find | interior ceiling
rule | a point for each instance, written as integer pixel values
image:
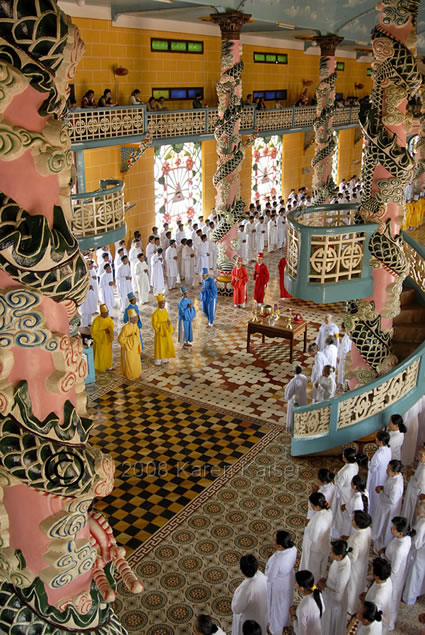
(351, 19)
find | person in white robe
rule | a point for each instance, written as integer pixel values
(380, 593)
(197, 242)
(272, 234)
(389, 505)
(99, 255)
(295, 392)
(261, 230)
(397, 553)
(243, 244)
(343, 489)
(135, 250)
(318, 366)
(331, 352)
(344, 348)
(251, 232)
(325, 385)
(165, 242)
(328, 328)
(307, 616)
(180, 233)
(163, 234)
(171, 265)
(280, 231)
(91, 301)
(149, 252)
(124, 282)
(357, 501)
(117, 260)
(335, 589)
(377, 468)
(157, 273)
(411, 421)
(142, 279)
(397, 430)
(249, 600)
(324, 485)
(212, 250)
(415, 580)
(369, 619)
(180, 258)
(106, 285)
(359, 541)
(203, 256)
(188, 266)
(315, 546)
(280, 582)
(415, 488)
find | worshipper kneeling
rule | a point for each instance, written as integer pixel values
(102, 332)
(163, 344)
(208, 296)
(131, 348)
(133, 305)
(186, 314)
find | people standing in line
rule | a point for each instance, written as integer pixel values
(171, 264)
(319, 363)
(260, 235)
(295, 392)
(142, 279)
(415, 488)
(280, 576)
(124, 282)
(186, 315)
(188, 263)
(335, 589)
(106, 285)
(91, 301)
(357, 501)
(239, 281)
(163, 343)
(415, 581)
(370, 619)
(331, 351)
(157, 273)
(359, 541)
(343, 488)
(328, 328)
(243, 244)
(132, 305)
(380, 593)
(397, 430)
(315, 546)
(283, 292)
(179, 251)
(377, 468)
(344, 348)
(261, 277)
(324, 485)
(325, 386)
(251, 232)
(389, 505)
(307, 616)
(131, 349)
(249, 600)
(102, 332)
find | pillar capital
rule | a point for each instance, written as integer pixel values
(328, 43)
(230, 23)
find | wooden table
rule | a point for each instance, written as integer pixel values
(264, 328)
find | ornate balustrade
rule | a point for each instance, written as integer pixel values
(360, 412)
(98, 218)
(93, 127)
(327, 254)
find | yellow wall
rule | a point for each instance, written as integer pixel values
(349, 154)
(109, 46)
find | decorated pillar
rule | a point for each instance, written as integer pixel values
(323, 184)
(387, 168)
(57, 557)
(230, 149)
(419, 181)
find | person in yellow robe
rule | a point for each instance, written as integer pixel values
(102, 332)
(163, 344)
(131, 349)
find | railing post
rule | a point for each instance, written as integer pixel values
(81, 171)
(206, 120)
(293, 117)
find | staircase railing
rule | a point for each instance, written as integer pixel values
(362, 411)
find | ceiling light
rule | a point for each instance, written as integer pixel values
(283, 25)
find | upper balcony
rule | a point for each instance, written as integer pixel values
(96, 127)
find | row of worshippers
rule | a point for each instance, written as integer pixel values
(130, 336)
(346, 514)
(258, 232)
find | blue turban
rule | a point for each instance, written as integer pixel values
(183, 289)
(205, 270)
(131, 295)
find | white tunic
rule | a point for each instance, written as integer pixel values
(272, 235)
(124, 285)
(250, 229)
(377, 475)
(180, 235)
(157, 273)
(415, 488)
(316, 372)
(150, 250)
(188, 264)
(331, 354)
(326, 388)
(91, 300)
(315, 547)
(396, 443)
(142, 281)
(415, 581)
(381, 594)
(261, 230)
(308, 620)
(280, 232)
(324, 332)
(203, 258)
(280, 588)
(389, 505)
(106, 291)
(353, 504)
(132, 256)
(371, 629)
(335, 594)
(342, 494)
(297, 387)
(344, 348)
(250, 603)
(170, 263)
(328, 491)
(410, 420)
(397, 553)
(359, 541)
(243, 246)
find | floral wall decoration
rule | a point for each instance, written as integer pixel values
(266, 167)
(178, 182)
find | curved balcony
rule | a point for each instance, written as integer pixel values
(94, 127)
(98, 218)
(366, 409)
(327, 254)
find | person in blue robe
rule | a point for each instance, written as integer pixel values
(208, 296)
(186, 314)
(132, 300)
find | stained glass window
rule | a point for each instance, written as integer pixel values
(335, 158)
(266, 167)
(178, 182)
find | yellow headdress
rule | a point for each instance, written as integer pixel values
(131, 313)
(160, 298)
(103, 308)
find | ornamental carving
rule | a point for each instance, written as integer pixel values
(312, 423)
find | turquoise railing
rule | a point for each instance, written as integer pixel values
(94, 127)
(366, 409)
(327, 254)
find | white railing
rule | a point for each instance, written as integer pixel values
(98, 212)
(91, 124)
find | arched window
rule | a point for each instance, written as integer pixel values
(266, 167)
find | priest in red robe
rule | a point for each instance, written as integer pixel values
(283, 292)
(261, 277)
(239, 282)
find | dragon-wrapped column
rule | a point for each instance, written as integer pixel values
(57, 555)
(230, 149)
(323, 184)
(387, 168)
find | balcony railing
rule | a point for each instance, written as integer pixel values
(328, 258)
(95, 125)
(95, 214)
(362, 411)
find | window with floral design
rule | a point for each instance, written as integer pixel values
(266, 167)
(178, 182)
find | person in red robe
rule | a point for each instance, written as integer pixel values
(261, 277)
(239, 280)
(283, 292)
